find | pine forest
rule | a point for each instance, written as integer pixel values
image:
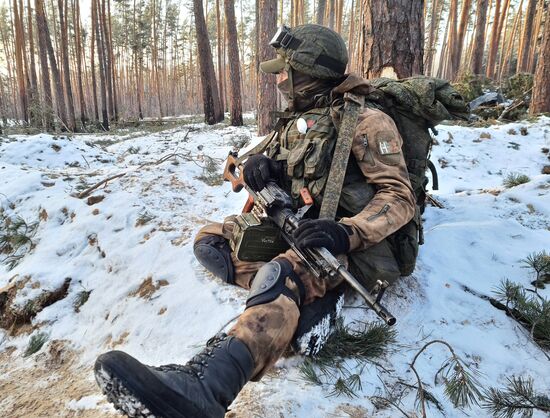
(83, 66)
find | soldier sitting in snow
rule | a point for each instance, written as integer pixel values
(376, 200)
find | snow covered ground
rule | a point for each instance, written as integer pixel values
(132, 251)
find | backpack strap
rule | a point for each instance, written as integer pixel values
(352, 108)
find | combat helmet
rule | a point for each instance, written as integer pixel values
(310, 49)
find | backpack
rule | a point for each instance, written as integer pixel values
(416, 105)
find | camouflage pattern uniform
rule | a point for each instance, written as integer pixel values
(267, 329)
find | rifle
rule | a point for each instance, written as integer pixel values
(277, 205)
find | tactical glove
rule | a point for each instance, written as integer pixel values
(259, 170)
(326, 233)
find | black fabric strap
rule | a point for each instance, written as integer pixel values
(331, 63)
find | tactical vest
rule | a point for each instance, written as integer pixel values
(307, 159)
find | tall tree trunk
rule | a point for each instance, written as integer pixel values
(112, 62)
(71, 122)
(33, 91)
(234, 65)
(540, 101)
(394, 38)
(320, 15)
(523, 54)
(78, 46)
(459, 46)
(102, 66)
(213, 112)
(493, 46)
(267, 93)
(44, 70)
(479, 37)
(19, 53)
(43, 31)
(106, 51)
(430, 48)
(92, 61)
(219, 45)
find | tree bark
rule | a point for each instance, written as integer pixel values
(267, 92)
(234, 65)
(213, 112)
(493, 46)
(523, 54)
(102, 65)
(430, 48)
(43, 31)
(479, 37)
(19, 66)
(540, 101)
(320, 15)
(71, 122)
(33, 93)
(394, 38)
(459, 46)
(44, 70)
(78, 47)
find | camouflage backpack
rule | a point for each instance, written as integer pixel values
(416, 105)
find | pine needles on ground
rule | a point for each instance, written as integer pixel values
(529, 309)
(519, 397)
(35, 344)
(15, 238)
(461, 385)
(340, 362)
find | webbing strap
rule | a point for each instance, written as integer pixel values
(331, 197)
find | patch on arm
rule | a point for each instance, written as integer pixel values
(388, 148)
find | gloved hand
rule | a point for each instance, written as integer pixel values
(326, 233)
(259, 170)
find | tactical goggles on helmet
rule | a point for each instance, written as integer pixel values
(284, 39)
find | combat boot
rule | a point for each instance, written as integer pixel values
(202, 388)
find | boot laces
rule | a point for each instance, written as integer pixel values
(199, 362)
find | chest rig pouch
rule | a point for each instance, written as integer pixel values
(306, 155)
(256, 238)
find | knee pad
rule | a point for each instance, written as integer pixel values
(270, 282)
(214, 253)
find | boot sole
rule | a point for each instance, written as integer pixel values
(124, 394)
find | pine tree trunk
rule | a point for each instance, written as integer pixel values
(493, 46)
(267, 93)
(320, 15)
(459, 46)
(540, 102)
(394, 38)
(78, 46)
(44, 70)
(430, 48)
(112, 73)
(33, 91)
(102, 66)
(234, 65)
(523, 55)
(92, 61)
(479, 37)
(213, 112)
(71, 122)
(43, 30)
(19, 65)
(219, 45)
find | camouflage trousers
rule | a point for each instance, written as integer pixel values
(267, 329)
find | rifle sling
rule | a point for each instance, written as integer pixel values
(331, 197)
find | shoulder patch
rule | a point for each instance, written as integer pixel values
(388, 148)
